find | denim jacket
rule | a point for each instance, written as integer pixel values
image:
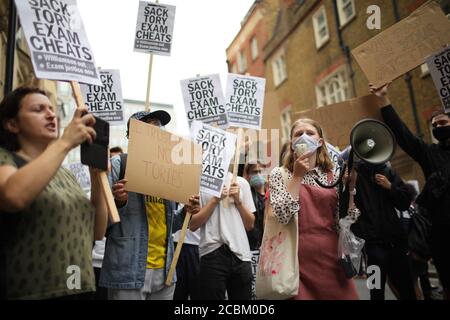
(125, 260)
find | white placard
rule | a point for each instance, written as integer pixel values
(105, 101)
(439, 65)
(218, 148)
(204, 100)
(154, 28)
(81, 173)
(245, 101)
(58, 44)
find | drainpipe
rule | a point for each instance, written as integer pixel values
(345, 48)
(408, 80)
(11, 45)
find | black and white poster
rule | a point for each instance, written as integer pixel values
(439, 65)
(245, 101)
(57, 40)
(105, 101)
(218, 147)
(204, 101)
(154, 29)
(81, 173)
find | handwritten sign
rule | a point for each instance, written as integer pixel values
(81, 173)
(404, 46)
(204, 100)
(439, 65)
(245, 101)
(156, 168)
(338, 119)
(58, 44)
(218, 148)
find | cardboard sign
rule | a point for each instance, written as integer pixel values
(154, 29)
(204, 101)
(218, 148)
(58, 44)
(337, 120)
(439, 65)
(105, 101)
(245, 101)
(404, 46)
(81, 173)
(162, 164)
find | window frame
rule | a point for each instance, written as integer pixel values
(279, 68)
(343, 20)
(324, 99)
(320, 41)
(254, 49)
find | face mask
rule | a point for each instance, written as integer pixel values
(257, 181)
(442, 134)
(305, 145)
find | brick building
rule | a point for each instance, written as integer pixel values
(308, 62)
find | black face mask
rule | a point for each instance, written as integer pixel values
(442, 134)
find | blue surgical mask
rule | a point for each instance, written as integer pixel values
(305, 145)
(257, 181)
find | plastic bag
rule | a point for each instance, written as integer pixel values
(349, 248)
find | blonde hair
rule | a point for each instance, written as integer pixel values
(323, 160)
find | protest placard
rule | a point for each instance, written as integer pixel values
(338, 119)
(155, 169)
(55, 34)
(154, 29)
(245, 101)
(204, 101)
(218, 148)
(105, 101)
(404, 46)
(439, 66)
(81, 173)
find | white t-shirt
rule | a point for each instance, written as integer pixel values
(98, 252)
(225, 225)
(192, 238)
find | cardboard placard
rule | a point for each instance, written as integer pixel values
(245, 101)
(404, 46)
(162, 164)
(218, 148)
(105, 102)
(337, 120)
(154, 28)
(204, 101)
(439, 65)
(58, 44)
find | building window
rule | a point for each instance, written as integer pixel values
(254, 48)
(234, 68)
(279, 68)
(346, 10)
(333, 89)
(320, 25)
(286, 123)
(242, 62)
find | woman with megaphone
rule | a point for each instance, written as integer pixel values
(295, 192)
(434, 159)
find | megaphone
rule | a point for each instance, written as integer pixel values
(372, 141)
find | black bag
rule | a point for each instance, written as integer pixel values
(419, 235)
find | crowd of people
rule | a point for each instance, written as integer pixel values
(49, 225)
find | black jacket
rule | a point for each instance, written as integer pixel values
(379, 222)
(434, 159)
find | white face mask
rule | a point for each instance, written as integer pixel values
(305, 145)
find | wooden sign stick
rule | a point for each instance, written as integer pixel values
(149, 79)
(237, 157)
(178, 249)
(102, 178)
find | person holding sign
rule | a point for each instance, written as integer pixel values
(225, 257)
(47, 222)
(307, 159)
(434, 159)
(139, 249)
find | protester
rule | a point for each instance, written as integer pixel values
(139, 249)
(252, 173)
(321, 276)
(188, 266)
(379, 192)
(434, 160)
(47, 222)
(225, 257)
(114, 151)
